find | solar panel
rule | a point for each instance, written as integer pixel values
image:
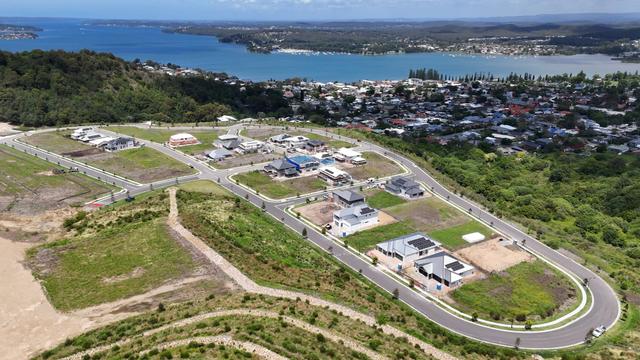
(366, 210)
(455, 266)
(421, 243)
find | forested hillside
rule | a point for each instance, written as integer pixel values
(55, 87)
(589, 205)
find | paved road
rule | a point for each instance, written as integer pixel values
(605, 310)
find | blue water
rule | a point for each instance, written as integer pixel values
(207, 53)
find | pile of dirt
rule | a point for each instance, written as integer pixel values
(83, 153)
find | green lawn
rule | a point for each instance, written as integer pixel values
(206, 137)
(56, 141)
(366, 239)
(261, 182)
(452, 237)
(120, 253)
(377, 166)
(428, 215)
(142, 164)
(530, 289)
(203, 186)
(381, 199)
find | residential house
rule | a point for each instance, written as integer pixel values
(182, 139)
(250, 146)
(315, 146)
(334, 176)
(90, 136)
(347, 198)
(78, 133)
(404, 187)
(100, 141)
(228, 141)
(220, 154)
(281, 168)
(295, 142)
(409, 248)
(304, 163)
(444, 268)
(353, 219)
(279, 139)
(121, 143)
(346, 155)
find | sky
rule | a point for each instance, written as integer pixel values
(306, 9)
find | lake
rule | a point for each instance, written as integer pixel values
(207, 53)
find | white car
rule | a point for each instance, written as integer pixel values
(597, 332)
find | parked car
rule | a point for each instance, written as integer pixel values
(597, 332)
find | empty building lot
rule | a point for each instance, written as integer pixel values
(140, 164)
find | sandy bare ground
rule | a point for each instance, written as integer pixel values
(319, 213)
(28, 322)
(492, 256)
(6, 129)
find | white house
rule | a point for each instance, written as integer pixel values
(78, 133)
(250, 146)
(101, 140)
(409, 248)
(334, 176)
(347, 155)
(121, 143)
(350, 220)
(295, 142)
(444, 268)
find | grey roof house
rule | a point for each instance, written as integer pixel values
(347, 198)
(220, 154)
(444, 268)
(409, 248)
(405, 187)
(281, 167)
(120, 143)
(352, 219)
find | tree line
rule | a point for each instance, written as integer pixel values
(48, 88)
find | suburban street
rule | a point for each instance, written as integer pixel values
(605, 309)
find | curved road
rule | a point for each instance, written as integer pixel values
(605, 310)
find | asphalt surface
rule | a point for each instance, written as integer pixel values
(605, 309)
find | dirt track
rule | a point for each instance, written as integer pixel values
(250, 286)
(28, 322)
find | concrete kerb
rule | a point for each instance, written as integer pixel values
(405, 285)
(461, 315)
(121, 178)
(538, 256)
(315, 193)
